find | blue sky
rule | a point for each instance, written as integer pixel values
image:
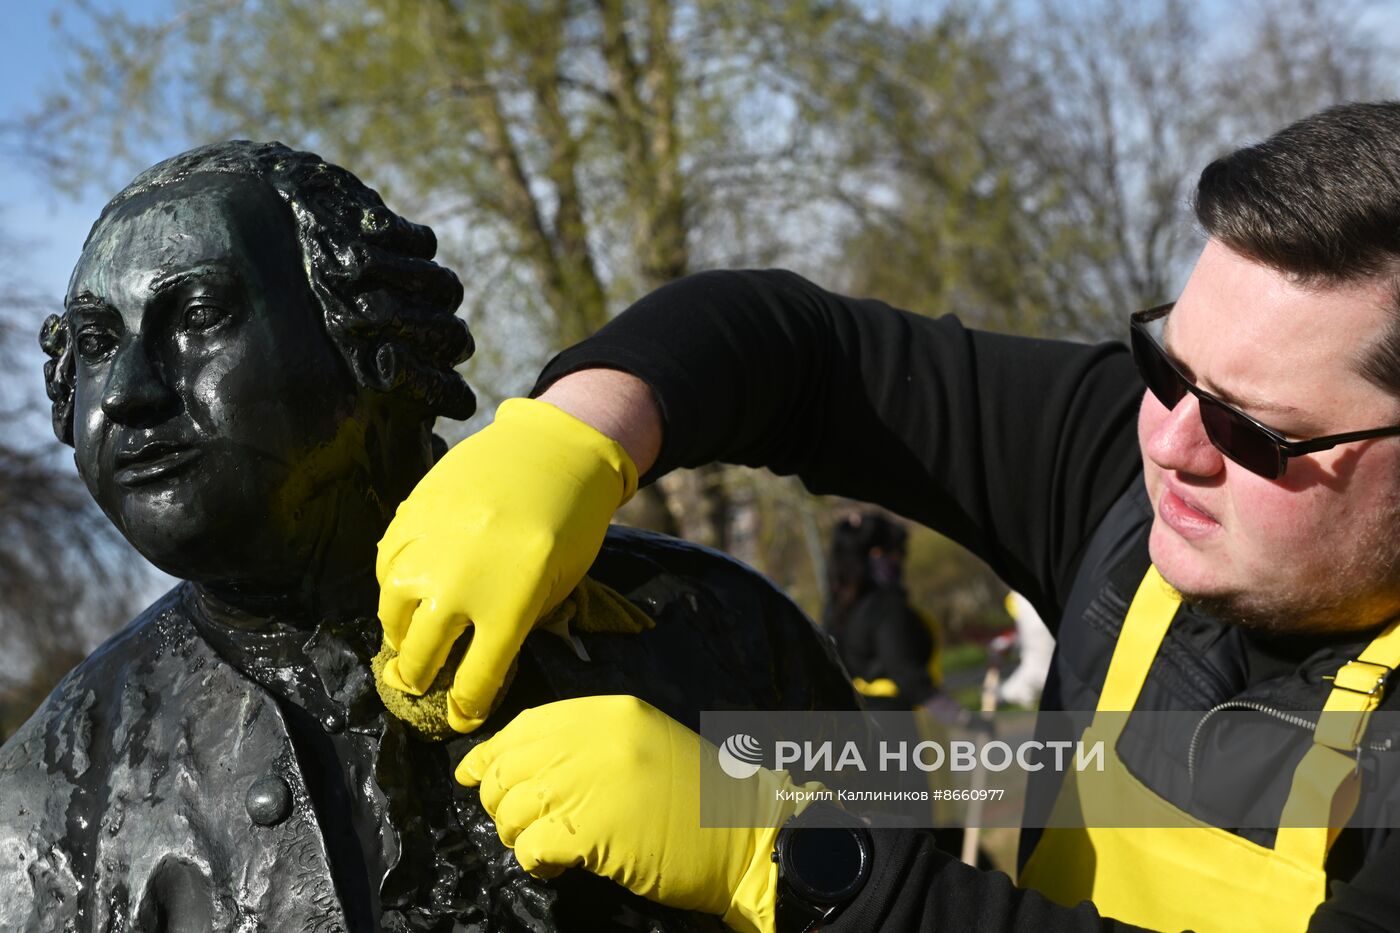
(48, 225)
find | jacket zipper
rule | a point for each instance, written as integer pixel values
(1301, 722)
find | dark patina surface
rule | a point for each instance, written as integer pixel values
(194, 775)
(253, 351)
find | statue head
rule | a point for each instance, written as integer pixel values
(251, 356)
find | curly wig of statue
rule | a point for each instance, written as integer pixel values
(389, 310)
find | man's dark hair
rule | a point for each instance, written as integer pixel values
(387, 307)
(1319, 199)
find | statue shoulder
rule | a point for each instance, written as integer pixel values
(161, 628)
(47, 767)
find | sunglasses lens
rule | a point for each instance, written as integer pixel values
(1241, 441)
(1156, 370)
(1233, 435)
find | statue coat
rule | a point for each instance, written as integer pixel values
(190, 775)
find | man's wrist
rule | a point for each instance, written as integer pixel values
(616, 404)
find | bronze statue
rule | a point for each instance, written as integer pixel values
(252, 354)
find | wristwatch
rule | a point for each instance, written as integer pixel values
(820, 867)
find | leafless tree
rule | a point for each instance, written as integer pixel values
(1143, 95)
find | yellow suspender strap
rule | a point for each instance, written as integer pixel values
(1357, 689)
(1326, 785)
(1146, 624)
(1320, 802)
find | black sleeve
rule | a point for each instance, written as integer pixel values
(913, 886)
(1013, 447)
(1370, 902)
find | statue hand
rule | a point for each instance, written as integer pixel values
(495, 535)
(612, 785)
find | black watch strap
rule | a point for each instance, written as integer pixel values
(791, 914)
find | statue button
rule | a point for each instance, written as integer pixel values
(333, 722)
(269, 801)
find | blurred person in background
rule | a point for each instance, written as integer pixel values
(890, 648)
(1035, 644)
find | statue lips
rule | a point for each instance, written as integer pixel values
(144, 462)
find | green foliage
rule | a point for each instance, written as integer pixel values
(578, 154)
(950, 211)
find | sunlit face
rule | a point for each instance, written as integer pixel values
(211, 412)
(1315, 549)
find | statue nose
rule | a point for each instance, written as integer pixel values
(135, 393)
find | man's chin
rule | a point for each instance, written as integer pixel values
(1190, 572)
(1201, 584)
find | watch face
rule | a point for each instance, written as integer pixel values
(825, 865)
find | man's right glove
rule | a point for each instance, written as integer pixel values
(613, 785)
(494, 536)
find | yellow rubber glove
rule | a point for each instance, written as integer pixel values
(496, 535)
(612, 784)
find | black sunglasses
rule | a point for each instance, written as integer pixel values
(1256, 447)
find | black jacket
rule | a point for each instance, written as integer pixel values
(1022, 450)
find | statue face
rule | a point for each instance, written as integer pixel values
(213, 420)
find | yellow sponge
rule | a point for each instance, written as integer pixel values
(592, 608)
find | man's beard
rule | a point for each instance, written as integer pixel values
(1315, 611)
(1361, 592)
(1285, 617)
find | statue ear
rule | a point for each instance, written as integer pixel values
(387, 371)
(56, 340)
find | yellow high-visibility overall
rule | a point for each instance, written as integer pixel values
(1182, 874)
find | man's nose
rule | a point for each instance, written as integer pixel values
(1178, 439)
(136, 394)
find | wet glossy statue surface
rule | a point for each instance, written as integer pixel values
(252, 354)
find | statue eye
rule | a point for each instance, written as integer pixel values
(93, 344)
(203, 317)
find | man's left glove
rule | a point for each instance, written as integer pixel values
(499, 532)
(612, 784)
